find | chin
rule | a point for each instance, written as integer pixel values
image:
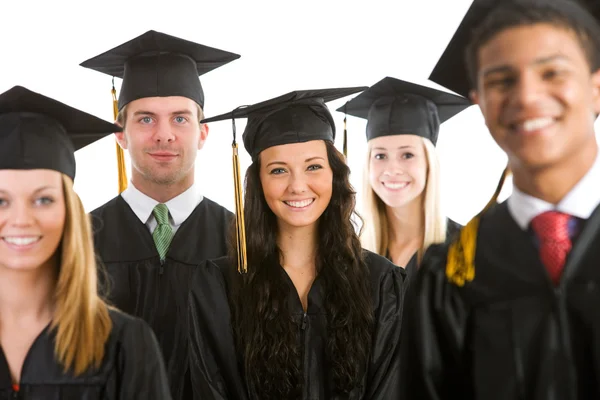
(23, 266)
(537, 159)
(298, 222)
(397, 201)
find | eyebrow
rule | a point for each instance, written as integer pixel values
(152, 114)
(307, 160)
(36, 191)
(539, 61)
(399, 148)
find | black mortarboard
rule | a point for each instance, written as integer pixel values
(37, 132)
(396, 107)
(299, 116)
(156, 65)
(451, 69)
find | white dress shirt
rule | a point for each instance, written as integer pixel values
(180, 207)
(580, 202)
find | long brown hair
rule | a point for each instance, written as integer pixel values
(265, 332)
(81, 319)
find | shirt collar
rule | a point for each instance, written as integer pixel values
(180, 207)
(580, 202)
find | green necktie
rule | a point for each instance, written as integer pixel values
(163, 233)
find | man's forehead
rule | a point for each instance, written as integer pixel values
(530, 45)
(163, 105)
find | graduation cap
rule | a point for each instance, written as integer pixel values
(37, 132)
(295, 117)
(156, 65)
(396, 107)
(451, 69)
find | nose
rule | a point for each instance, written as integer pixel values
(394, 167)
(164, 132)
(527, 90)
(21, 214)
(298, 184)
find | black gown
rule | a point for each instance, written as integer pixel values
(452, 228)
(215, 368)
(509, 333)
(132, 368)
(158, 293)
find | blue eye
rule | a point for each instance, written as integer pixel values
(146, 120)
(44, 201)
(180, 120)
(314, 167)
(277, 171)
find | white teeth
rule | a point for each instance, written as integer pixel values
(22, 241)
(392, 185)
(299, 204)
(535, 124)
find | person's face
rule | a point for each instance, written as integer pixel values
(32, 217)
(537, 94)
(297, 182)
(398, 168)
(163, 136)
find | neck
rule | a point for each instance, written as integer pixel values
(28, 295)
(298, 246)
(406, 223)
(161, 192)
(553, 183)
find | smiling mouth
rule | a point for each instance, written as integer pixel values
(299, 204)
(395, 185)
(532, 125)
(21, 241)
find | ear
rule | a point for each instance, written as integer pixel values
(596, 91)
(474, 96)
(203, 135)
(121, 138)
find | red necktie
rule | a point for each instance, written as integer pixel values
(552, 229)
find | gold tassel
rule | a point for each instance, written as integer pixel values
(239, 213)
(120, 155)
(460, 265)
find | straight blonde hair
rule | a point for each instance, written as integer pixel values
(375, 234)
(81, 319)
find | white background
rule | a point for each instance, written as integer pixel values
(284, 46)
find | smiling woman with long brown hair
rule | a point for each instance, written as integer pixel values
(315, 316)
(58, 339)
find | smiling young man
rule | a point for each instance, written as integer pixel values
(508, 311)
(152, 236)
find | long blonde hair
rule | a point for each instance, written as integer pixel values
(375, 235)
(81, 319)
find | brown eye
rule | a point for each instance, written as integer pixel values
(502, 82)
(551, 74)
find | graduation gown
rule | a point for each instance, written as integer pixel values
(140, 285)
(452, 228)
(215, 368)
(509, 333)
(132, 368)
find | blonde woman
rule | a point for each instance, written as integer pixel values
(401, 207)
(58, 339)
